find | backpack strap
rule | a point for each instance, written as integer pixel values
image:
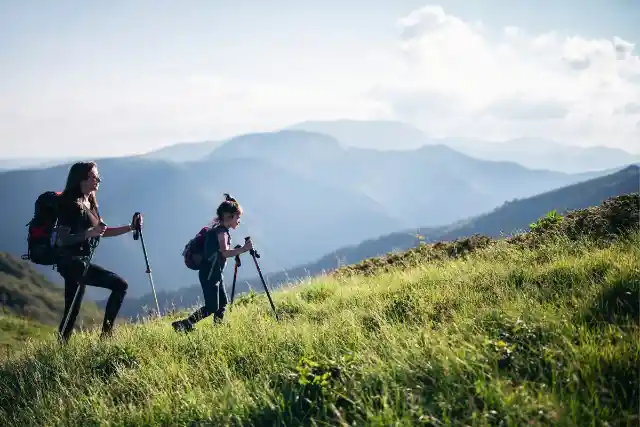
(89, 211)
(211, 246)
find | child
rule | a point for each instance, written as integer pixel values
(216, 251)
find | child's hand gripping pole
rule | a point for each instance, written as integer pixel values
(254, 254)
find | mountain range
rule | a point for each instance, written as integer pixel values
(533, 153)
(305, 194)
(508, 219)
(538, 153)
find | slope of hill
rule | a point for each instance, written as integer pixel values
(613, 217)
(513, 334)
(16, 331)
(30, 305)
(26, 293)
(509, 218)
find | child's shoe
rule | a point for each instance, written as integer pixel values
(183, 325)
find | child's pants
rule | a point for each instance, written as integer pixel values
(215, 297)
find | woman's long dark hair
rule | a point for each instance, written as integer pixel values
(77, 173)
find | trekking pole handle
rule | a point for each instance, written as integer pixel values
(237, 257)
(136, 226)
(253, 252)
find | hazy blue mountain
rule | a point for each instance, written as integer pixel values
(533, 153)
(538, 153)
(431, 185)
(507, 219)
(383, 135)
(183, 152)
(370, 134)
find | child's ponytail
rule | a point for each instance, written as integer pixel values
(228, 198)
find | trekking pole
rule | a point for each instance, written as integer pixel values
(93, 244)
(235, 273)
(255, 255)
(137, 233)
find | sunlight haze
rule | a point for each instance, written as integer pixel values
(116, 78)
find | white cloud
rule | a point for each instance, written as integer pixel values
(449, 76)
(133, 115)
(631, 109)
(461, 78)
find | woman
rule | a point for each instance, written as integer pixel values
(79, 222)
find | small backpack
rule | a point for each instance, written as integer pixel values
(193, 252)
(41, 231)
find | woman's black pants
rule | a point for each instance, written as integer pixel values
(98, 276)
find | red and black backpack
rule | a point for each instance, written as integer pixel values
(193, 252)
(41, 231)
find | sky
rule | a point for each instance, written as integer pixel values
(125, 77)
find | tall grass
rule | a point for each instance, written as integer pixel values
(506, 336)
(15, 330)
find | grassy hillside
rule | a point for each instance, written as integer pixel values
(509, 218)
(603, 222)
(539, 330)
(30, 305)
(15, 331)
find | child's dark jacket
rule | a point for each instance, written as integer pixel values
(212, 256)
